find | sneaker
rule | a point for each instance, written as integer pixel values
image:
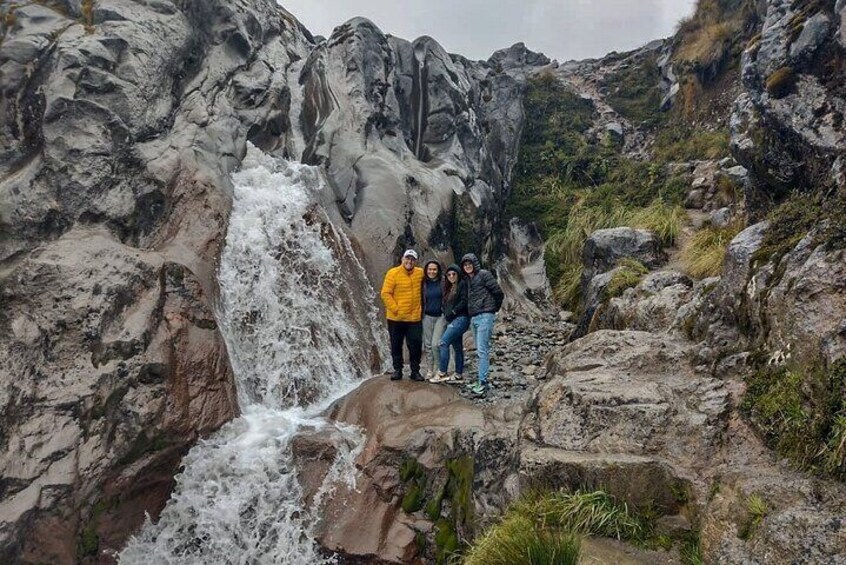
(479, 389)
(456, 377)
(416, 376)
(429, 376)
(397, 376)
(440, 377)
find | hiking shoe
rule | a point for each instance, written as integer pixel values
(439, 377)
(479, 389)
(455, 377)
(397, 376)
(417, 377)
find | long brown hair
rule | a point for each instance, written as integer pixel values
(449, 288)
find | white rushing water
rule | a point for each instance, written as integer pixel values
(299, 333)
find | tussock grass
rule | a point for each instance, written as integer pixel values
(801, 413)
(518, 540)
(628, 274)
(591, 513)
(545, 528)
(703, 254)
(687, 144)
(564, 246)
(711, 35)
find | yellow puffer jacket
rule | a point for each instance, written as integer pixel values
(402, 293)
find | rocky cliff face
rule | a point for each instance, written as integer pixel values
(121, 124)
(418, 144)
(787, 128)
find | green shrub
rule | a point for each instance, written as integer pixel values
(703, 254)
(801, 413)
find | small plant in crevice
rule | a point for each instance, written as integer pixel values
(756, 511)
(628, 274)
(690, 550)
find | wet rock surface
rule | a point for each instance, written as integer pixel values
(120, 129)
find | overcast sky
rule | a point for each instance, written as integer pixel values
(562, 29)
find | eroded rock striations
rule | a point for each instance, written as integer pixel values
(418, 144)
(121, 124)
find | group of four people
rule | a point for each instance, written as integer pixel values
(426, 309)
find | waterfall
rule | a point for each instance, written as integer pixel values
(300, 324)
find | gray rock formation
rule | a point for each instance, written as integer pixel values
(418, 144)
(787, 128)
(121, 126)
(651, 306)
(604, 248)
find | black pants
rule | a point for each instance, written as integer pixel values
(412, 333)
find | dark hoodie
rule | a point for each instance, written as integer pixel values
(455, 303)
(483, 292)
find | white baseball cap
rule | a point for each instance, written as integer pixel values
(410, 253)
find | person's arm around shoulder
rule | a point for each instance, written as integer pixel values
(493, 287)
(387, 293)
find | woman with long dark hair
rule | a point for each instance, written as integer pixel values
(433, 313)
(455, 314)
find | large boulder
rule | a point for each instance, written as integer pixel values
(421, 443)
(605, 248)
(653, 305)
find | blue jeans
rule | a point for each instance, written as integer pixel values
(454, 336)
(482, 329)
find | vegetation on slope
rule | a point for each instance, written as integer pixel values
(801, 413)
(571, 186)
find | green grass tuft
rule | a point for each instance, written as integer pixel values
(801, 413)
(628, 274)
(690, 550)
(518, 540)
(756, 511)
(703, 254)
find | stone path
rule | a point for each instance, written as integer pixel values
(518, 349)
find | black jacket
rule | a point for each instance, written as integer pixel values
(456, 304)
(483, 292)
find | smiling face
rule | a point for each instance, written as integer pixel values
(408, 262)
(467, 267)
(452, 276)
(432, 271)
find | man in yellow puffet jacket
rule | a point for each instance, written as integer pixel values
(402, 293)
